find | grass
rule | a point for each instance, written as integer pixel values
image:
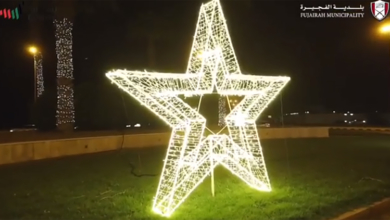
(311, 179)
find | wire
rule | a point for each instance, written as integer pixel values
(132, 167)
(132, 171)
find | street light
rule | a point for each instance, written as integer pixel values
(385, 29)
(34, 51)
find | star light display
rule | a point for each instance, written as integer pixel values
(65, 96)
(39, 73)
(192, 155)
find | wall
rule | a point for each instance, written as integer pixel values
(36, 150)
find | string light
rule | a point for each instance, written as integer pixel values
(192, 155)
(39, 71)
(221, 111)
(65, 96)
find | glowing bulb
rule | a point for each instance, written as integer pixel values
(385, 29)
(33, 50)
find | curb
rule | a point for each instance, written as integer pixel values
(368, 212)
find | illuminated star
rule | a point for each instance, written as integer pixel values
(192, 155)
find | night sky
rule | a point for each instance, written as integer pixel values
(335, 64)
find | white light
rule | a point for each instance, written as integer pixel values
(345, 121)
(345, 114)
(351, 114)
(137, 125)
(334, 111)
(239, 119)
(39, 73)
(269, 116)
(364, 121)
(221, 111)
(128, 126)
(65, 97)
(192, 155)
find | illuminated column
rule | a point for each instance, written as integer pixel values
(38, 59)
(221, 111)
(65, 97)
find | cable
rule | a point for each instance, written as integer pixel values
(132, 167)
(132, 171)
(285, 140)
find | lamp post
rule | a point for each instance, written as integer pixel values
(34, 51)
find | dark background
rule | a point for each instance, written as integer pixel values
(335, 64)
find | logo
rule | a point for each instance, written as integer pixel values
(12, 13)
(332, 11)
(379, 9)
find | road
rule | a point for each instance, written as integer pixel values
(23, 136)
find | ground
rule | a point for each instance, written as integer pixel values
(385, 216)
(311, 179)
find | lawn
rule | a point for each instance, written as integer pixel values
(311, 179)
